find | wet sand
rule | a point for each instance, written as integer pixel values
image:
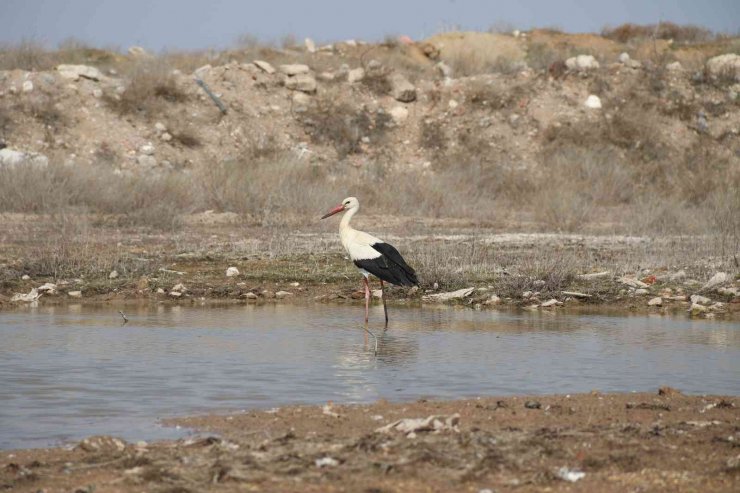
(663, 441)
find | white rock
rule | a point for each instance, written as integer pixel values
(113, 274)
(179, 287)
(582, 62)
(294, 69)
(232, 271)
(570, 475)
(594, 275)
(727, 65)
(641, 292)
(492, 300)
(378, 293)
(48, 288)
(674, 67)
(355, 75)
(453, 295)
(697, 309)
(139, 52)
(399, 114)
(435, 423)
(730, 291)
(401, 89)
(74, 72)
(295, 284)
(301, 82)
(11, 158)
(310, 45)
(657, 301)
(166, 137)
(716, 280)
(200, 72)
(699, 299)
(351, 42)
(624, 57)
(97, 93)
(160, 127)
(29, 297)
(326, 462)
(551, 302)
(452, 104)
(301, 101)
(25, 277)
(250, 296)
(283, 294)
(175, 294)
(75, 294)
(593, 102)
(444, 70)
(264, 66)
(27, 86)
(160, 291)
(147, 149)
(632, 282)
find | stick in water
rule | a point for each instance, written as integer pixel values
(123, 315)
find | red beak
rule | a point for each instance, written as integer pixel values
(335, 210)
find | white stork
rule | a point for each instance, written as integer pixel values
(371, 255)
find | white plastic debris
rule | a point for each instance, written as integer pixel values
(570, 475)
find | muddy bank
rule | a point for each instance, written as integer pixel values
(649, 442)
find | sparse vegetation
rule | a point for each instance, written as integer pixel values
(664, 30)
(150, 88)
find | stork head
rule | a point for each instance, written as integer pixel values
(347, 204)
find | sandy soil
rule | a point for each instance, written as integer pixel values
(622, 442)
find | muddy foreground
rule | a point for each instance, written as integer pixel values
(621, 442)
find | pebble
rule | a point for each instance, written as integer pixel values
(75, 294)
(147, 149)
(533, 405)
(25, 277)
(232, 271)
(657, 301)
(593, 102)
(113, 274)
(283, 294)
(27, 86)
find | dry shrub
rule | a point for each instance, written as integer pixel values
(26, 55)
(493, 96)
(432, 136)
(541, 56)
(150, 88)
(664, 30)
(339, 124)
(153, 200)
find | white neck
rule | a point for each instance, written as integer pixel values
(344, 224)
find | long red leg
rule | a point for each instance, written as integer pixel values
(385, 308)
(367, 298)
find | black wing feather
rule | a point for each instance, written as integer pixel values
(404, 273)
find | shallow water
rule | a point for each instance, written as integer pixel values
(73, 371)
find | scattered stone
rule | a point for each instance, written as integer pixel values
(326, 462)
(674, 67)
(641, 292)
(139, 52)
(551, 302)
(102, 443)
(731, 291)
(160, 127)
(295, 284)
(697, 309)
(113, 274)
(492, 300)
(632, 282)
(301, 82)
(444, 70)
(724, 66)
(310, 45)
(657, 301)
(232, 271)
(283, 294)
(25, 277)
(570, 475)
(166, 137)
(268, 294)
(378, 293)
(593, 102)
(146, 161)
(294, 69)
(399, 114)
(175, 294)
(453, 295)
(594, 275)
(97, 93)
(716, 280)
(10, 158)
(74, 72)
(355, 75)
(29, 297)
(624, 57)
(250, 296)
(699, 299)
(264, 66)
(582, 62)
(75, 294)
(27, 86)
(401, 89)
(533, 405)
(179, 287)
(436, 424)
(160, 291)
(48, 288)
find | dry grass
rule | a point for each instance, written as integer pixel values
(150, 88)
(664, 30)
